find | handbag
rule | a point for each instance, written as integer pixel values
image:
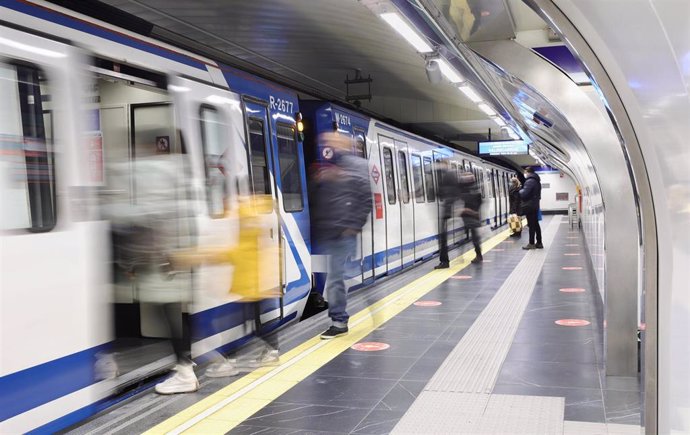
(515, 223)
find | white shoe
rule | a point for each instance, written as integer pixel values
(184, 381)
(222, 369)
(266, 358)
(105, 366)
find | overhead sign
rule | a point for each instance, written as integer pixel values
(504, 148)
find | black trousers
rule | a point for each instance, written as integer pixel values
(254, 309)
(180, 336)
(533, 224)
(474, 233)
(443, 241)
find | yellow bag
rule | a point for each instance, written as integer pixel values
(255, 258)
(515, 223)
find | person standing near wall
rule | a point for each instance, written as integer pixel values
(530, 194)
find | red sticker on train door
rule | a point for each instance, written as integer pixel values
(378, 205)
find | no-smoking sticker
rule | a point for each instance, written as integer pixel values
(327, 153)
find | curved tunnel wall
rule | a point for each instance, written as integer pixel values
(597, 158)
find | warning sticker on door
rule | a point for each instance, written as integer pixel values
(375, 174)
(378, 205)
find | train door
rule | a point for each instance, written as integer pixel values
(494, 194)
(453, 221)
(367, 235)
(407, 236)
(499, 184)
(393, 213)
(419, 199)
(262, 168)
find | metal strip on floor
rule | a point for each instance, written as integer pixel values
(457, 399)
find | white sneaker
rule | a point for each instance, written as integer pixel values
(222, 369)
(105, 366)
(266, 358)
(184, 381)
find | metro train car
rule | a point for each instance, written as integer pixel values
(81, 95)
(403, 228)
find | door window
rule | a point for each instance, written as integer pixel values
(261, 178)
(390, 176)
(429, 180)
(290, 169)
(418, 178)
(215, 158)
(27, 173)
(404, 183)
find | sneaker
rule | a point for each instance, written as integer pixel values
(105, 366)
(266, 358)
(184, 381)
(334, 331)
(442, 266)
(530, 246)
(539, 246)
(476, 260)
(222, 369)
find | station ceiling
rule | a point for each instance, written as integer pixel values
(321, 43)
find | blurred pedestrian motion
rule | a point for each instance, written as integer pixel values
(471, 197)
(341, 203)
(514, 208)
(448, 193)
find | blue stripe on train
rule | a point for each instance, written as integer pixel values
(102, 32)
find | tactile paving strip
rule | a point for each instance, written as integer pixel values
(457, 399)
(474, 364)
(477, 413)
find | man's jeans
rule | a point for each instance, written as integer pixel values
(338, 251)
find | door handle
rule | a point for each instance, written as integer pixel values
(271, 230)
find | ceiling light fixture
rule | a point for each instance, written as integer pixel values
(486, 109)
(466, 89)
(407, 32)
(448, 71)
(498, 120)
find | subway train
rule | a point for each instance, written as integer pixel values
(80, 94)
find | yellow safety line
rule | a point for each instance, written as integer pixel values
(232, 405)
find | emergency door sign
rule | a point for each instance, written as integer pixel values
(375, 174)
(378, 205)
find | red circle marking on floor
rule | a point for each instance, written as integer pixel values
(572, 238)
(428, 303)
(370, 346)
(571, 244)
(571, 290)
(508, 241)
(571, 268)
(498, 249)
(571, 254)
(461, 277)
(572, 322)
(487, 261)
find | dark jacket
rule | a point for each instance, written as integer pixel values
(530, 194)
(341, 197)
(514, 199)
(448, 191)
(471, 197)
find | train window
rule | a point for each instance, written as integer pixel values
(290, 172)
(360, 145)
(417, 178)
(429, 180)
(481, 184)
(215, 158)
(404, 181)
(27, 174)
(261, 178)
(390, 178)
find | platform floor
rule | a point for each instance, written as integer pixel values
(471, 349)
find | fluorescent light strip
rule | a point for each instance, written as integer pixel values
(407, 32)
(31, 48)
(448, 71)
(470, 93)
(498, 120)
(486, 109)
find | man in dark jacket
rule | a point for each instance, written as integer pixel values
(472, 201)
(448, 191)
(341, 205)
(530, 194)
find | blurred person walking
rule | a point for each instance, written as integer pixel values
(472, 201)
(448, 191)
(147, 233)
(530, 194)
(514, 207)
(341, 203)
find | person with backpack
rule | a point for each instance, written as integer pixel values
(342, 201)
(472, 201)
(530, 194)
(448, 191)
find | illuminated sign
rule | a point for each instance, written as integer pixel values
(504, 148)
